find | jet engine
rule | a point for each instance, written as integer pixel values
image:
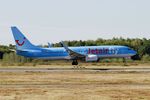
(136, 57)
(90, 58)
(1, 55)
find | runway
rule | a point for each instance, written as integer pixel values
(147, 70)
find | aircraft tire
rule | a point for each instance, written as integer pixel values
(75, 62)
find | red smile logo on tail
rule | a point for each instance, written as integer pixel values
(21, 44)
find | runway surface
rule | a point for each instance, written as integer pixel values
(147, 70)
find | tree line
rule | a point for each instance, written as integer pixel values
(142, 46)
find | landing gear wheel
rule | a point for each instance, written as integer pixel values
(75, 62)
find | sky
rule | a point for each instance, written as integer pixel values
(52, 21)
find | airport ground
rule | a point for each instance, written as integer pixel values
(56, 82)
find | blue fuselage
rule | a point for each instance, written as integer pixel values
(61, 53)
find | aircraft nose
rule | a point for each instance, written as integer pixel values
(134, 52)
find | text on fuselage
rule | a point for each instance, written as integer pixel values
(102, 51)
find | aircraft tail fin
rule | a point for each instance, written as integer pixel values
(21, 41)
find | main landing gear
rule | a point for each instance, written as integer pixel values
(124, 60)
(76, 66)
(75, 62)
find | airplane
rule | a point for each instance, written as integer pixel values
(86, 53)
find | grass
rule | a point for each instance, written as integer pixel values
(74, 86)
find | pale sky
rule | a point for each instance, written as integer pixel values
(45, 21)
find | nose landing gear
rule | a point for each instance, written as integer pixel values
(136, 57)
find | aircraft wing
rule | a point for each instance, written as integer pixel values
(71, 52)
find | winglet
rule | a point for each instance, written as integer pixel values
(63, 45)
(49, 45)
(71, 52)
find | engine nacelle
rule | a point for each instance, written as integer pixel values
(1, 55)
(136, 57)
(90, 58)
